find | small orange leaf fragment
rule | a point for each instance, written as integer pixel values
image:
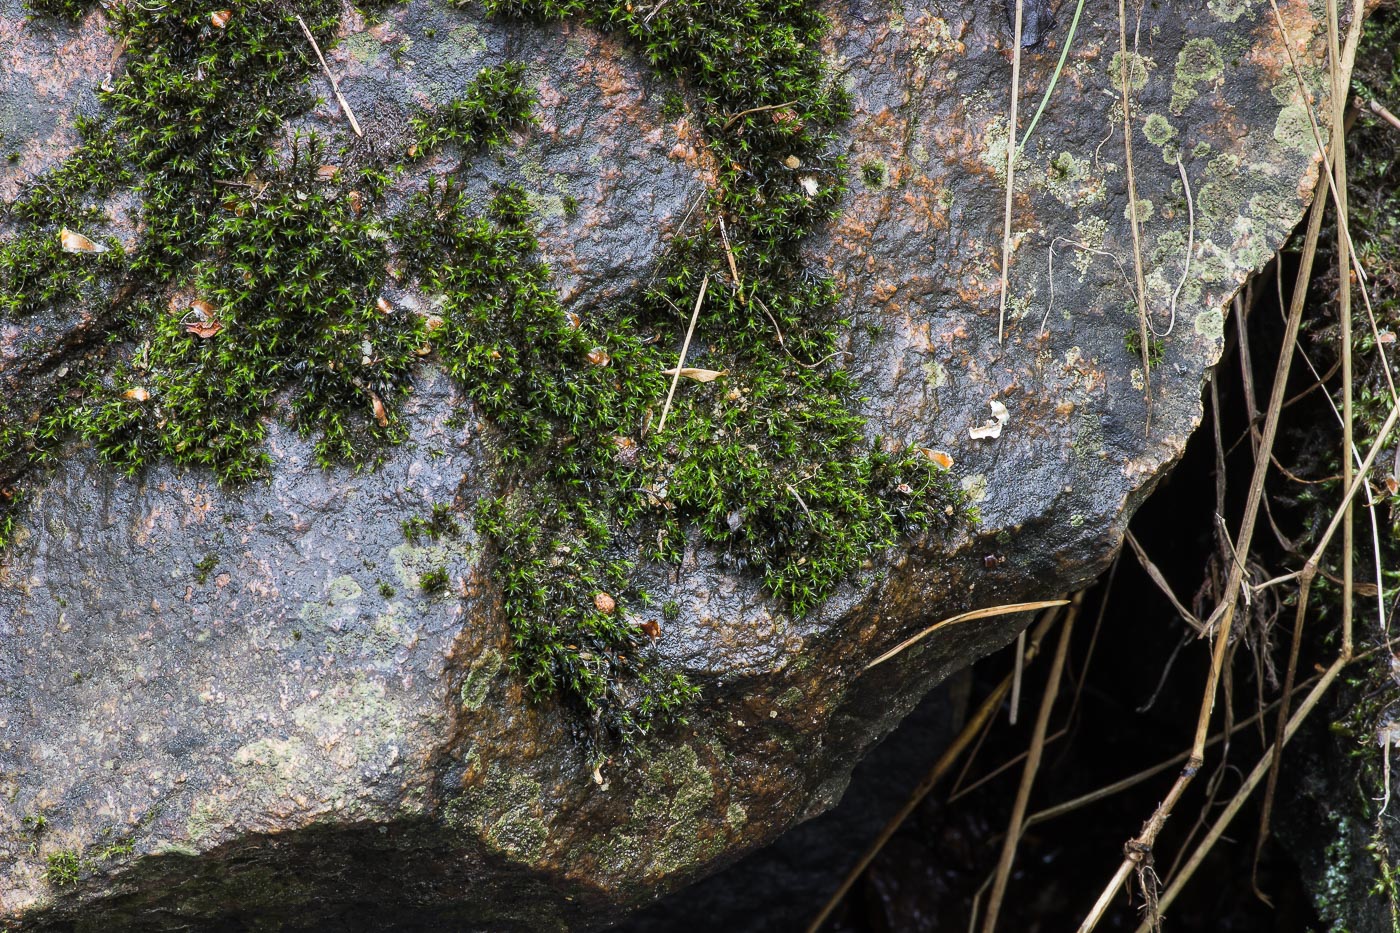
(652, 628)
(599, 357)
(938, 457)
(137, 394)
(220, 18)
(381, 414)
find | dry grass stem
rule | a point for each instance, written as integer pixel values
(990, 611)
(1186, 614)
(1190, 246)
(1379, 111)
(1010, 171)
(1140, 284)
(335, 85)
(1016, 679)
(1037, 746)
(685, 348)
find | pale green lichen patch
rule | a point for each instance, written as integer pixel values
(1144, 211)
(1211, 324)
(1158, 129)
(479, 678)
(1138, 67)
(504, 812)
(1294, 130)
(1220, 197)
(1228, 11)
(676, 791)
(1200, 60)
(994, 139)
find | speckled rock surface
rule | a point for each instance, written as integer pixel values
(290, 734)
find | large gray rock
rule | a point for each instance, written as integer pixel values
(236, 709)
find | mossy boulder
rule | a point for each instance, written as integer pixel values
(289, 673)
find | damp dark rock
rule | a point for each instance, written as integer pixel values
(300, 735)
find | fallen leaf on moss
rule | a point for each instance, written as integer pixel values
(599, 357)
(699, 375)
(220, 18)
(938, 457)
(381, 414)
(204, 329)
(73, 242)
(137, 394)
(652, 628)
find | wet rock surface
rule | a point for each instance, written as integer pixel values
(229, 708)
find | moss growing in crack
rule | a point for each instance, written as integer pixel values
(433, 581)
(70, 10)
(495, 102)
(1156, 349)
(62, 868)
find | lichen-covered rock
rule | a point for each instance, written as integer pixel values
(235, 707)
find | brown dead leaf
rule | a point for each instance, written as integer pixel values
(220, 18)
(652, 628)
(699, 375)
(137, 394)
(327, 172)
(383, 305)
(381, 414)
(204, 329)
(73, 242)
(599, 357)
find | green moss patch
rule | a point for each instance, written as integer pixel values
(256, 287)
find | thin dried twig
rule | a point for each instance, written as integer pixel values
(1010, 171)
(335, 85)
(685, 348)
(1037, 746)
(1186, 614)
(1190, 247)
(733, 266)
(744, 113)
(1016, 679)
(1376, 108)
